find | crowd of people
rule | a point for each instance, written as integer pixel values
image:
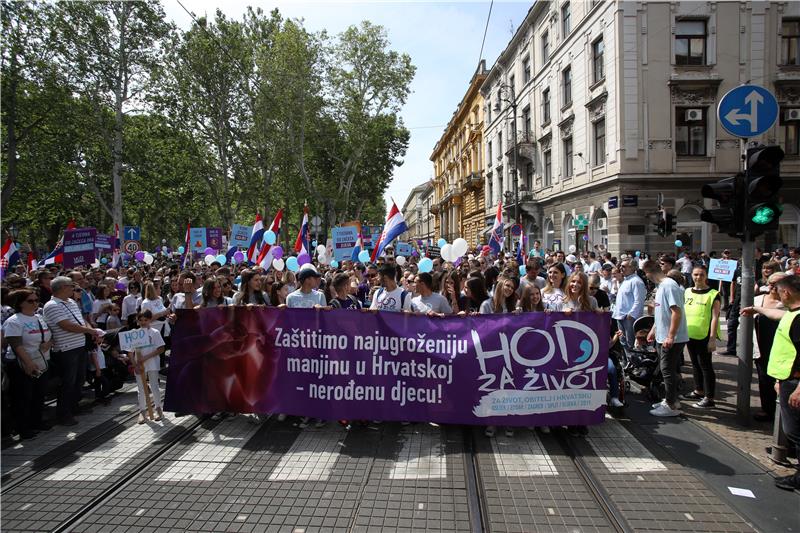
(66, 324)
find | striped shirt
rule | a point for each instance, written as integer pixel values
(57, 310)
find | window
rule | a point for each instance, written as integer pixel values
(790, 42)
(690, 42)
(512, 82)
(567, 157)
(526, 123)
(526, 70)
(489, 152)
(598, 69)
(529, 176)
(690, 131)
(600, 142)
(545, 48)
(790, 120)
(489, 111)
(566, 85)
(490, 183)
(500, 143)
(566, 23)
(548, 169)
(546, 106)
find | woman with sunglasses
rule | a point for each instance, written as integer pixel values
(765, 329)
(30, 340)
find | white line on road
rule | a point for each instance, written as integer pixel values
(311, 457)
(522, 456)
(620, 451)
(421, 456)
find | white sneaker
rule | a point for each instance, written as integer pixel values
(665, 410)
(489, 431)
(616, 403)
(655, 405)
(545, 430)
(281, 417)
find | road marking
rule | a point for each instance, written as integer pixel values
(421, 455)
(620, 451)
(522, 456)
(688, 517)
(114, 453)
(214, 450)
(311, 457)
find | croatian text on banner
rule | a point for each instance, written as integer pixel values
(240, 235)
(197, 237)
(135, 338)
(103, 243)
(79, 247)
(527, 369)
(344, 241)
(721, 269)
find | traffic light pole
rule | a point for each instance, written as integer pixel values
(744, 339)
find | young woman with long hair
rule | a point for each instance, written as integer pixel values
(554, 290)
(531, 299)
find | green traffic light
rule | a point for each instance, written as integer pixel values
(764, 215)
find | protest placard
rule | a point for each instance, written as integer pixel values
(79, 247)
(135, 338)
(240, 235)
(344, 241)
(721, 269)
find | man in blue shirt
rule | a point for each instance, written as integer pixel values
(629, 303)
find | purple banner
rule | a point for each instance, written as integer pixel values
(103, 243)
(519, 370)
(79, 247)
(214, 238)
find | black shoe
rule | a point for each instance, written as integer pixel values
(788, 482)
(763, 417)
(726, 352)
(693, 396)
(573, 431)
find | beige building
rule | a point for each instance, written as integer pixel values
(458, 169)
(616, 114)
(417, 213)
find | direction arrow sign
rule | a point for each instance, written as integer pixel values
(747, 111)
(131, 233)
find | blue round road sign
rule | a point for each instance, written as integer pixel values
(747, 111)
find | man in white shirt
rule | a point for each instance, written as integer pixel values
(592, 264)
(531, 277)
(428, 302)
(390, 297)
(307, 296)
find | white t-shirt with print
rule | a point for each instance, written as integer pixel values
(30, 329)
(391, 300)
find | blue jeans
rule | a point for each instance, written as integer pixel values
(628, 335)
(72, 368)
(613, 382)
(790, 418)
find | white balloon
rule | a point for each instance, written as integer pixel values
(96, 263)
(323, 259)
(148, 259)
(278, 264)
(460, 247)
(572, 248)
(321, 249)
(447, 252)
(208, 260)
(400, 260)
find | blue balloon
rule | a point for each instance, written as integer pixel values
(291, 264)
(270, 237)
(522, 270)
(678, 243)
(334, 263)
(441, 242)
(314, 244)
(221, 259)
(363, 256)
(237, 281)
(181, 249)
(638, 253)
(426, 265)
(104, 260)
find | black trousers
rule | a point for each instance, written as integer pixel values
(27, 397)
(702, 370)
(72, 369)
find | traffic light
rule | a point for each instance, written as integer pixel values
(670, 223)
(729, 216)
(660, 225)
(763, 184)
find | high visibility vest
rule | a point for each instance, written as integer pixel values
(698, 309)
(783, 353)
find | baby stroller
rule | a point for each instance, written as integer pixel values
(641, 365)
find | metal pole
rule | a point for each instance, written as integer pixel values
(516, 185)
(744, 340)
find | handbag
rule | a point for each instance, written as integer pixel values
(44, 364)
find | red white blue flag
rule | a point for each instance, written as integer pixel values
(57, 255)
(496, 238)
(301, 245)
(265, 256)
(394, 227)
(256, 235)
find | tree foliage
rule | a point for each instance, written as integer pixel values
(110, 114)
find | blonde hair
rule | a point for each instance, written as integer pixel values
(584, 304)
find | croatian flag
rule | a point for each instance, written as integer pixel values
(302, 245)
(116, 255)
(265, 257)
(395, 226)
(33, 264)
(187, 249)
(57, 255)
(8, 257)
(496, 238)
(357, 249)
(255, 239)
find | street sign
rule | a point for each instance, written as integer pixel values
(747, 111)
(516, 230)
(613, 202)
(630, 200)
(131, 247)
(132, 233)
(316, 221)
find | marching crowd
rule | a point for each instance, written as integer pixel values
(66, 324)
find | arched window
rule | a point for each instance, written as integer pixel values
(789, 230)
(689, 228)
(598, 232)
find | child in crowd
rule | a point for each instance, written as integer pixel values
(145, 359)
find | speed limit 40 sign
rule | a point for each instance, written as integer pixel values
(131, 247)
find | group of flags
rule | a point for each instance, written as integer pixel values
(259, 252)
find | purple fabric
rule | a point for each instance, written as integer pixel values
(527, 369)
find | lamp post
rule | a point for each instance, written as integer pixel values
(511, 99)
(13, 230)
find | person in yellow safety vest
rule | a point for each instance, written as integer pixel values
(784, 365)
(702, 305)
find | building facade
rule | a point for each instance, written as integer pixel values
(458, 165)
(417, 213)
(616, 116)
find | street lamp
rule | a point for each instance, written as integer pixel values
(511, 99)
(13, 230)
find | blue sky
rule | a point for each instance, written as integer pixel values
(442, 38)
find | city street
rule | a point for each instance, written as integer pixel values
(633, 473)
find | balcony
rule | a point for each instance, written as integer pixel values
(473, 181)
(526, 147)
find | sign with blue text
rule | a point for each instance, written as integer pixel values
(240, 235)
(747, 111)
(197, 238)
(344, 241)
(722, 269)
(402, 248)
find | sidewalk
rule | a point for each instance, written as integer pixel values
(723, 422)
